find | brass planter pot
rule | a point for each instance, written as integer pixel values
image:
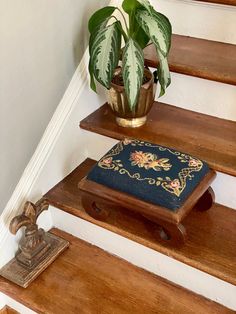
(118, 101)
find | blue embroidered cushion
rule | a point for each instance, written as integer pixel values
(153, 173)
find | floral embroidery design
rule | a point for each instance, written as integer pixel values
(148, 161)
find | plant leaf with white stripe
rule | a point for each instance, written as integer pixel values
(163, 74)
(91, 39)
(133, 68)
(104, 53)
(157, 27)
(99, 17)
(147, 5)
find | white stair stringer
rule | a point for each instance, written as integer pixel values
(148, 259)
(200, 19)
(224, 185)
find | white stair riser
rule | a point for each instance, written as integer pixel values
(2, 300)
(199, 19)
(224, 185)
(148, 259)
(200, 95)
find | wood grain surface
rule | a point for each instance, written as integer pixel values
(224, 2)
(206, 137)
(8, 310)
(148, 209)
(211, 244)
(199, 57)
(87, 280)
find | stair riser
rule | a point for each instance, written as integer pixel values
(200, 95)
(224, 185)
(2, 301)
(148, 259)
(197, 19)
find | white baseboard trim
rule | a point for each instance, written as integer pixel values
(148, 259)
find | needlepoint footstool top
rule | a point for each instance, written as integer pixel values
(150, 172)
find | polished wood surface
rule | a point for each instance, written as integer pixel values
(142, 207)
(87, 280)
(211, 244)
(224, 2)
(23, 276)
(199, 57)
(8, 310)
(206, 137)
(98, 200)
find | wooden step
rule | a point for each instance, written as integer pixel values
(224, 2)
(85, 279)
(206, 137)
(199, 57)
(211, 245)
(8, 310)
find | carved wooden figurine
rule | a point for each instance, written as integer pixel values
(34, 244)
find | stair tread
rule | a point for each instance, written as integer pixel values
(211, 244)
(86, 279)
(225, 2)
(206, 137)
(202, 58)
(8, 310)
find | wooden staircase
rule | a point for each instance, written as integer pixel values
(202, 248)
(209, 138)
(197, 57)
(85, 279)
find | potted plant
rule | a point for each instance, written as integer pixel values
(131, 86)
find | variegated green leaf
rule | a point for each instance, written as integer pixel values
(104, 53)
(163, 74)
(146, 4)
(99, 17)
(91, 39)
(129, 6)
(157, 27)
(133, 68)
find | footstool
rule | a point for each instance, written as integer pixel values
(158, 182)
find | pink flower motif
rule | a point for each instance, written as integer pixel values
(107, 161)
(139, 158)
(175, 184)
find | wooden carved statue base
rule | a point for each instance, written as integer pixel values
(37, 248)
(167, 226)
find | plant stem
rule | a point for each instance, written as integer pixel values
(131, 24)
(121, 29)
(127, 29)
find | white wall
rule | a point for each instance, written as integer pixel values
(41, 44)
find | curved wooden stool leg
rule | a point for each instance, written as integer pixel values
(171, 234)
(166, 232)
(97, 209)
(206, 201)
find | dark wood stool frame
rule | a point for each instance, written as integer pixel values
(98, 200)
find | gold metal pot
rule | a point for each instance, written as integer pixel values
(118, 101)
